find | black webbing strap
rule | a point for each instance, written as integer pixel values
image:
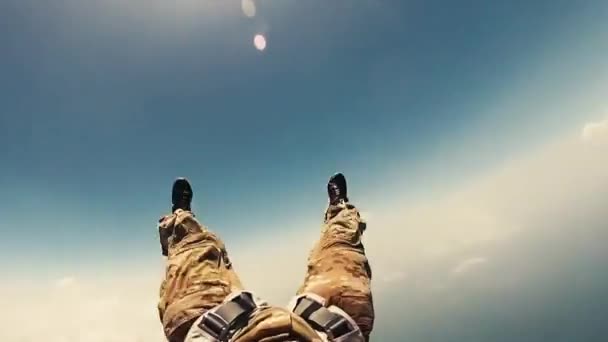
(222, 321)
(320, 318)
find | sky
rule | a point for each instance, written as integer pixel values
(473, 136)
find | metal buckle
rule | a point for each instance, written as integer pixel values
(225, 318)
(214, 325)
(339, 327)
(352, 333)
(337, 324)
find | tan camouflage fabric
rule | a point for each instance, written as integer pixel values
(338, 269)
(199, 276)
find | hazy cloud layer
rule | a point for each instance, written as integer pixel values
(513, 256)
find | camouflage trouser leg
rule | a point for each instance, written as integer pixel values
(200, 277)
(338, 269)
(199, 274)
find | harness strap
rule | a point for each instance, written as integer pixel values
(336, 326)
(222, 321)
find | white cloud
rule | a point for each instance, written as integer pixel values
(595, 131)
(117, 308)
(468, 264)
(65, 282)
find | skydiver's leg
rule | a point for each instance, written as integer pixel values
(338, 269)
(200, 277)
(199, 274)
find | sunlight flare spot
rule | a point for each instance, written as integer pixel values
(259, 41)
(248, 7)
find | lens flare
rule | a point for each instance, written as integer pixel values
(259, 41)
(248, 7)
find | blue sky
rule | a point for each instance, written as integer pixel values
(103, 106)
(104, 103)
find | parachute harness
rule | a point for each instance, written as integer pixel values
(334, 322)
(223, 320)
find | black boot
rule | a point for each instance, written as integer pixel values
(336, 189)
(181, 194)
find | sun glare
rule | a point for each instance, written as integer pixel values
(248, 7)
(259, 41)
